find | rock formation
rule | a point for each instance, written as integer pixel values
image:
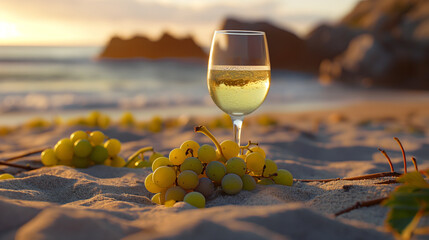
(387, 44)
(287, 51)
(141, 47)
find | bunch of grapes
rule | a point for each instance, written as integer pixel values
(84, 149)
(192, 173)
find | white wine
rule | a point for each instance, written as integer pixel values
(238, 90)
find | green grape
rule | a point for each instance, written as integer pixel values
(195, 199)
(192, 163)
(189, 144)
(270, 168)
(108, 162)
(159, 162)
(257, 149)
(80, 162)
(284, 177)
(151, 186)
(255, 162)
(6, 176)
(141, 164)
(215, 171)
(169, 203)
(187, 179)
(118, 161)
(219, 157)
(230, 149)
(206, 153)
(64, 151)
(266, 181)
(113, 146)
(78, 135)
(205, 187)
(96, 138)
(82, 148)
(175, 193)
(154, 156)
(257, 173)
(236, 165)
(232, 184)
(159, 198)
(164, 176)
(249, 182)
(48, 157)
(99, 154)
(177, 156)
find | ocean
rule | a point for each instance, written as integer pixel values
(49, 81)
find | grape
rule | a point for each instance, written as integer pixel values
(169, 203)
(118, 161)
(82, 148)
(236, 165)
(192, 163)
(80, 162)
(64, 151)
(258, 173)
(158, 198)
(159, 162)
(249, 182)
(206, 153)
(257, 149)
(230, 149)
(187, 179)
(177, 156)
(141, 164)
(175, 193)
(219, 157)
(48, 157)
(255, 161)
(266, 181)
(284, 177)
(270, 168)
(190, 145)
(78, 135)
(164, 176)
(151, 186)
(154, 156)
(96, 138)
(6, 176)
(195, 199)
(99, 154)
(232, 184)
(215, 171)
(205, 187)
(108, 162)
(113, 146)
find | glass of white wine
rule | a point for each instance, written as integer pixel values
(239, 73)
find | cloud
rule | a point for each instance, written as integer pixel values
(126, 16)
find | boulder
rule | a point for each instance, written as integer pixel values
(390, 47)
(287, 50)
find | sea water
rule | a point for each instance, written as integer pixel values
(48, 81)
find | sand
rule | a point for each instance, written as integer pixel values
(102, 202)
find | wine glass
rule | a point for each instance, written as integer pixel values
(239, 73)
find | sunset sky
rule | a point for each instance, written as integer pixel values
(92, 22)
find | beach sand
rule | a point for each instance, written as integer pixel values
(102, 202)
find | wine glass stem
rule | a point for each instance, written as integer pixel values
(237, 121)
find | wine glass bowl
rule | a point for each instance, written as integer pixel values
(239, 73)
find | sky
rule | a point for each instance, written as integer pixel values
(93, 22)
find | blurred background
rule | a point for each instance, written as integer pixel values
(62, 58)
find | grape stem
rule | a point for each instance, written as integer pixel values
(205, 131)
(133, 158)
(25, 154)
(17, 166)
(360, 205)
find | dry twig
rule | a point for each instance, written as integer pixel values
(360, 205)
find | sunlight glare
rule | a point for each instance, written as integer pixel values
(8, 30)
